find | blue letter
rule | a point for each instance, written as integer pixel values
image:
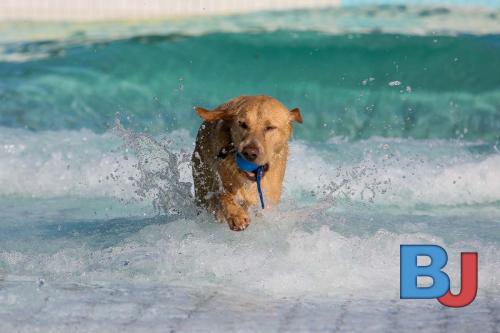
(410, 271)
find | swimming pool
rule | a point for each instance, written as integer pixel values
(400, 144)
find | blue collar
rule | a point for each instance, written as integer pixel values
(258, 170)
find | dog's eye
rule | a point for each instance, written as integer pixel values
(243, 125)
(270, 128)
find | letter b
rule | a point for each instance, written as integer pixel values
(409, 271)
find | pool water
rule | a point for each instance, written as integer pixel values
(400, 145)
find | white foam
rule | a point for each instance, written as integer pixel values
(54, 164)
(307, 246)
(378, 171)
(396, 172)
(278, 255)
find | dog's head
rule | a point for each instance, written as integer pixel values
(259, 125)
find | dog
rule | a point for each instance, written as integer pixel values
(249, 129)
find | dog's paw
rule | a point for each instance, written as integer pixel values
(238, 222)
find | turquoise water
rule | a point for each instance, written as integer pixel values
(400, 144)
(355, 86)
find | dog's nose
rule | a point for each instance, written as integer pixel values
(250, 152)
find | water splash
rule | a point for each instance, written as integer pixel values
(159, 176)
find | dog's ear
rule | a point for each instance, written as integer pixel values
(295, 115)
(213, 115)
(224, 111)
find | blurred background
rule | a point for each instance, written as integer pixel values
(122, 9)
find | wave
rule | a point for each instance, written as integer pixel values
(403, 173)
(353, 86)
(279, 255)
(347, 207)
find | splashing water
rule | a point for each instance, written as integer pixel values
(346, 208)
(159, 175)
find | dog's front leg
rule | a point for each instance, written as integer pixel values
(235, 215)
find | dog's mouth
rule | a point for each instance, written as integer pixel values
(252, 176)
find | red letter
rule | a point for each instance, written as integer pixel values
(468, 282)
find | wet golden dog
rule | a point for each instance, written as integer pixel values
(256, 127)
